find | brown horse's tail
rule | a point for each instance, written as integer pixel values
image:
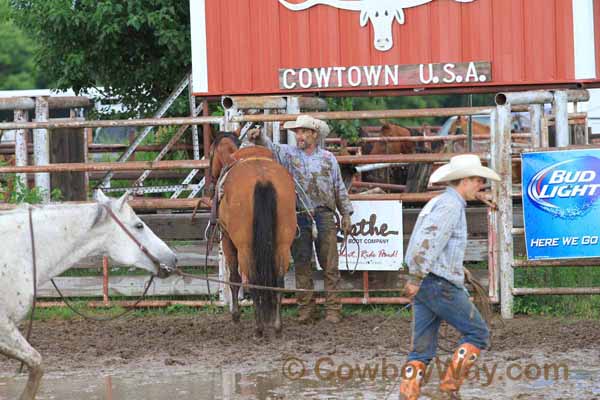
(264, 270)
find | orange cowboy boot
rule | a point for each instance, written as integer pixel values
(462, 360)
(412, 377)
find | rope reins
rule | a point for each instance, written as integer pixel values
(103, 319)
(278, 289)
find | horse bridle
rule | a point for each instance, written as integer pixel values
(140, 246)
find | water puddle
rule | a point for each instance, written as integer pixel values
(183, 383)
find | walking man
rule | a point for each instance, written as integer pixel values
(435, 257)
(320, 190)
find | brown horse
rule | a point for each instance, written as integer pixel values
(390, 130)
(461, 127)
(396, 175)
(257, 215)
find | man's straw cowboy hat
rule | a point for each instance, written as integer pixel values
(463, 166)
(308, 122)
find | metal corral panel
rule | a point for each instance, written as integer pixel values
(250, 44)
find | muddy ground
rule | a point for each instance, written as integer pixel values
(216, 341)
(213, 341)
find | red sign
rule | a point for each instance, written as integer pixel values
(295, 46)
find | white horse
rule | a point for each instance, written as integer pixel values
(63, 235)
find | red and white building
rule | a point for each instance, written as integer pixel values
(278, 46)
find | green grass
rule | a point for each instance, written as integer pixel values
(64, 313)
(383, 310)
(112, 271)
(580, 306)
(81, 305)
(129, 271)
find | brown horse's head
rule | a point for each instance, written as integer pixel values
(461, 127)
(391, 130)
(462, 123)
(388, 130)
(224, 145)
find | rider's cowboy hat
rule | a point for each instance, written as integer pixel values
(463, 166)
(308, 122)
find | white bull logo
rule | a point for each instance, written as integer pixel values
(381, 13)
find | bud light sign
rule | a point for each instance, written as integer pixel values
(561, 204)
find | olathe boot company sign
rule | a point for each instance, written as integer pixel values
(245, 47)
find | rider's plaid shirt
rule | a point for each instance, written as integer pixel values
(439, 239)
(317, 174)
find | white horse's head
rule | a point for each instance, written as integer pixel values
(142, 249)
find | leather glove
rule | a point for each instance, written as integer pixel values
(346, 224)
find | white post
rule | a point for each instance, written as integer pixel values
(535, 116)
(224, 291)
(228, 125)
(503, 163)
(41, 147)
(561, 118)
(293, 107)
(268, 126)
(21, 154)
(276, 129)
(193, 113)
(493, 257)
(545, 139)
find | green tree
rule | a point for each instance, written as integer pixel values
(17, 66)
(138, 50)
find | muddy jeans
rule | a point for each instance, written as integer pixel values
(439, 300)
(327, 254)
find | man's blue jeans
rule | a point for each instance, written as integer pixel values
(439, 300)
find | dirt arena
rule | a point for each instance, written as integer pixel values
(205, 342)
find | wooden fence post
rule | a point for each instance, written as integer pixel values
(41, 146)
(21, 154)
